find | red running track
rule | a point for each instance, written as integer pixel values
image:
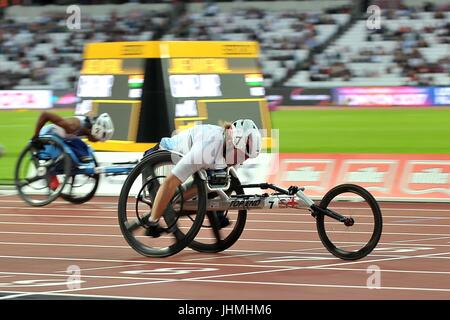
(279, 256)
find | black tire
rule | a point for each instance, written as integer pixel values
(222, 242)
(372, 210)
(61, 166)
(84, 198)
(182, 239)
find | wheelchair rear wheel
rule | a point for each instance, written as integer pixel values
(222, 229)
(136, 202)
(42, 173)
(81, 187)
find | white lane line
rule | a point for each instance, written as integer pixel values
(422, 256)
(89, 296)
(246, 229)
(437, 255)
(62, 234)
(312, 267)
(114, 202)
(224, 257)
(62, 224)
(208, 278)
(290, 252)
(82, 276)
(76, 245)
(59, 209)
(322, 285)
(277, 283)
(258, 213)
(105, 268)
(23, 215)
(82, 289)
(243, 239)
(419, 219)
(11, 215)
(163, 262)
(63, 245)
(297, 268)
(425, 239)
(390, 271)
(12, 274)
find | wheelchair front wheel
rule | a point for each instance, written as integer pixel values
(355, 241)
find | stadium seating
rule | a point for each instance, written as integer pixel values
(286, 37)
(299, 47)
(370, 56)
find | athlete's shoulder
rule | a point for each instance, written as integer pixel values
(209, 127)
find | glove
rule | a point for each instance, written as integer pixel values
(36, 143)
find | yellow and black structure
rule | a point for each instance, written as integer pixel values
(152, 88)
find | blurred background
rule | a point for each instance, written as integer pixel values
(342, 80)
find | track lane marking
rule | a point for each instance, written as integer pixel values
(59, 275)
(104, 268)
(247, 229)
(350, 243)
(127, 247)
(324, 285)
(80, 289)
(12, 215)
(90, 296)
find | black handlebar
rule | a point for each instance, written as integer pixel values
(290, 191)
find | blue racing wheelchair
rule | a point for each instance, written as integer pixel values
(48, 168)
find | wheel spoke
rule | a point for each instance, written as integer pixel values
(136, 223)
(215, 224)
(142, 199)
(179, 236)
(146, 178)
(29, 181)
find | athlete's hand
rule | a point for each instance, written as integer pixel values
(36, 143)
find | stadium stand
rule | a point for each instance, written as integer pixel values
(286, 35)
(331, 46)
(37, 50)
(410, 48)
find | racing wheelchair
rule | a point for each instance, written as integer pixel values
(51, 158)
(348, 218)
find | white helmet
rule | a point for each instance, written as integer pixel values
(103, 128)
(246, 137)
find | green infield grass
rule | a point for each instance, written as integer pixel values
(16, 128)
(365, 130)
(409, 130)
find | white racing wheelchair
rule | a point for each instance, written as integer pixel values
(348, 218)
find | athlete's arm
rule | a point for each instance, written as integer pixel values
(46, 116)
(87, 133)
(201, 154)
(164, 195)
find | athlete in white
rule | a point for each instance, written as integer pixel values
(204, 147)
